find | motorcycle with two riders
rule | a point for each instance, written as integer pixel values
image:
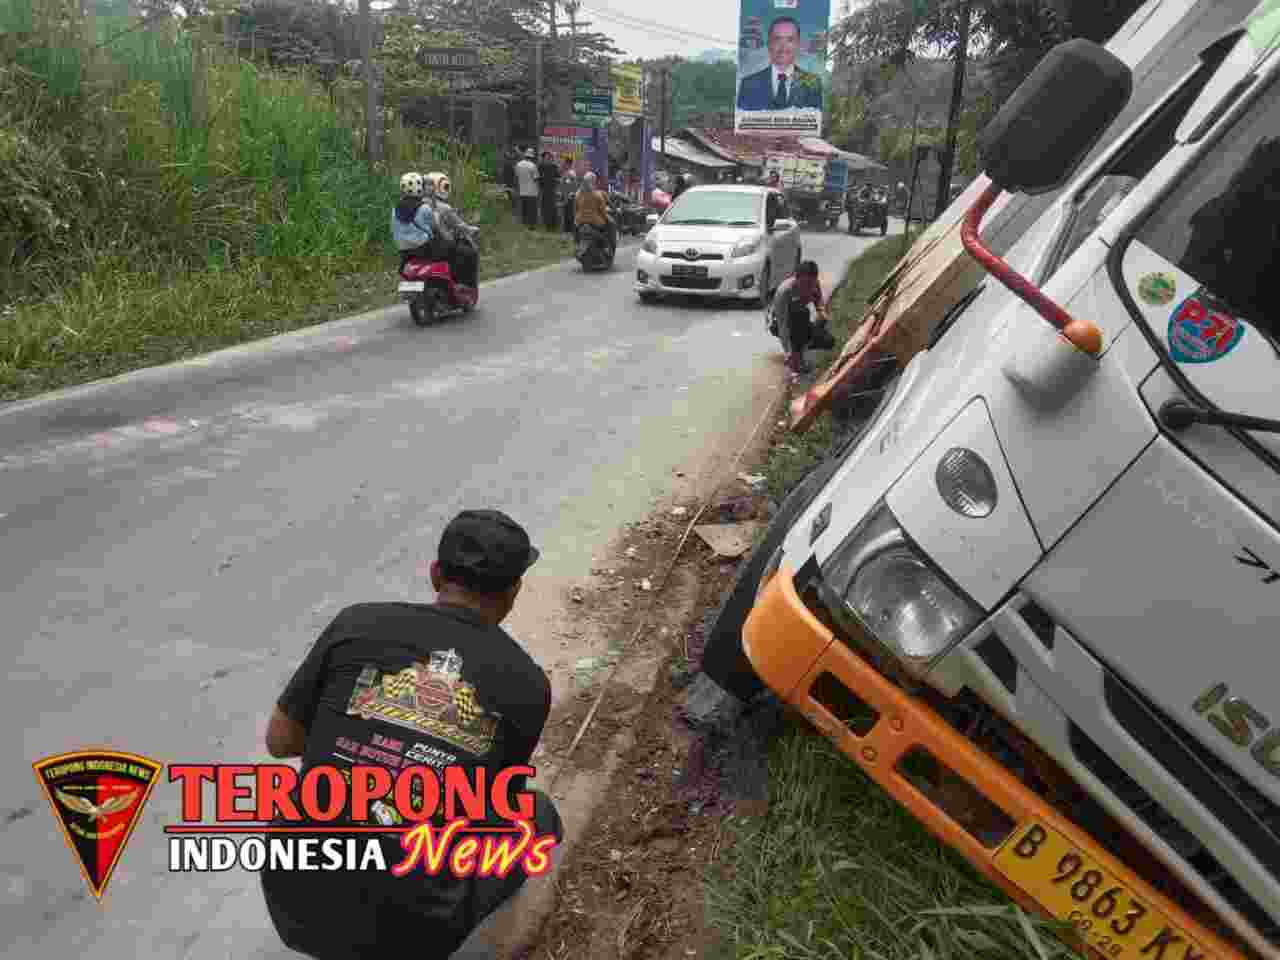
(427, 281)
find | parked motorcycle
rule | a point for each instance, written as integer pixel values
(631, 217)
(829, 212)
(429, 288)
(593, 249)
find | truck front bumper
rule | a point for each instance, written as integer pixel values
(802, 661)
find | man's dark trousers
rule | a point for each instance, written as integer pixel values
(325, 931)
(529, 211)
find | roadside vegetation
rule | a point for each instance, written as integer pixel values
(162, 196)
(837, 869)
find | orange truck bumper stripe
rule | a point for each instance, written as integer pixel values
(790, 650)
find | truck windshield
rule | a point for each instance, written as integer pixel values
(1221, 226)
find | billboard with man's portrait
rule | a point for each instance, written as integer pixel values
(782, 60)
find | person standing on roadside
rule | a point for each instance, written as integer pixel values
(527, 181)
(509, 179)
(549, 186)
(481, 703)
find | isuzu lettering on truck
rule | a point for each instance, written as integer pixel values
(1035, 598)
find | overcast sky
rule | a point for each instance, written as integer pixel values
(657, 28)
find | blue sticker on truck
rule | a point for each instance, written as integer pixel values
(1202, 331)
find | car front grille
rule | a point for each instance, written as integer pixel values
(691, 283)
(681, 255)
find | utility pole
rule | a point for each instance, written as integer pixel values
(957, 101)
(537, 74)
(911, 193)
(572, 7)
(371, 100)
(662, 117)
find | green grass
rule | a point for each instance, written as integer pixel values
(837, 869)
(116, 318)
(161, 197)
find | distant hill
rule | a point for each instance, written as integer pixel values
(716, 56)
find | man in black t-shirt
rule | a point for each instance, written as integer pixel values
(405, 684)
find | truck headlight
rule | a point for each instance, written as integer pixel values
(650, 244)
(745, 248)
(881, 580)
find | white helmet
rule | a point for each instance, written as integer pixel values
(440, 182)
(412, 185)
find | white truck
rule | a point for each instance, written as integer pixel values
(1035, 597)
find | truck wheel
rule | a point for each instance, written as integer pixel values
(723, 660)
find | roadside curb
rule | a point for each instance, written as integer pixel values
(71, 409)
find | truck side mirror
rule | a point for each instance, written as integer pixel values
(1055, 117)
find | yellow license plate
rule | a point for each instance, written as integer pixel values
(1071, 887)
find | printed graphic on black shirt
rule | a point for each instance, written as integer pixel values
(430, 697)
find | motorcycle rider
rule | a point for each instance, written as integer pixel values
(591, 207)
(458, 235)
(413, 223)
(683, 183)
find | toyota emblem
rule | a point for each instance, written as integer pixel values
(691, 253)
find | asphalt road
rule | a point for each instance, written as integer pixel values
(173, 542)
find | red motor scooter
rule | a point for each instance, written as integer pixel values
(432, 293)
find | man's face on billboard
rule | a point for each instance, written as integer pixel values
(784, 38)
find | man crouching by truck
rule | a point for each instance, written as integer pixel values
(441, 685)
(789, 316)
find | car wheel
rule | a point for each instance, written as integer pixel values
(648, 297)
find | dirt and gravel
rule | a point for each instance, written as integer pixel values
(631, 884)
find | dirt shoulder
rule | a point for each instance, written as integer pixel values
(630, 883)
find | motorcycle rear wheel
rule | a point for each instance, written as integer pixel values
(423, 308)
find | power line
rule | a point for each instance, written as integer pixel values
(650, 26)
(667, 33)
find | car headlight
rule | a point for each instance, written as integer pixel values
(746, 248)
(650, 244)
(882, 581)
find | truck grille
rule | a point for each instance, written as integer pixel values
(1250, 817)
(1163, 825)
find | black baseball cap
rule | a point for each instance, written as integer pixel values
(487, 548)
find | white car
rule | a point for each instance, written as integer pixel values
(721, 240)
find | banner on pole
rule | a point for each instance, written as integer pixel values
(627, 85)
(782, 76)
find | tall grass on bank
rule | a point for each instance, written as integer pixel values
(160, 196)
(838, 871)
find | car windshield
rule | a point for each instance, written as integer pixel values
(1221, 227)
(715, 207)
